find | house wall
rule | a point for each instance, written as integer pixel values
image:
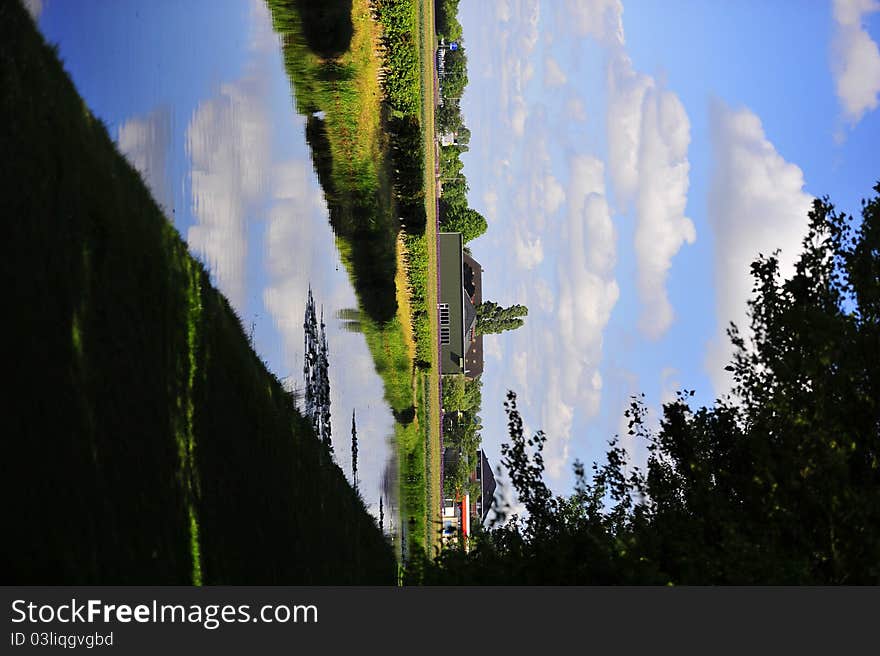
(451, 281)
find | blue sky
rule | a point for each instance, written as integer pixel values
(632, 158)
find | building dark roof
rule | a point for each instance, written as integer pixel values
(473, 285)
(487, 485)
(451, 274)
(470, 316)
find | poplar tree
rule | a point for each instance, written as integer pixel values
(354, 452)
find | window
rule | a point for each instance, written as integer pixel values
(444, 335)
(444, 314)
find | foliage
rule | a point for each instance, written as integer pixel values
(492, 318)
(446, 12)
(470, 223)
(316, 374)
(354, 452)
(777, 484)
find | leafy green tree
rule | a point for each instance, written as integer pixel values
(492, 318)
(470, 223)
(316, 373)
(778, 483)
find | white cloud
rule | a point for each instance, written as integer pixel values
(756, 205)
(588, 292)
(648, 137)
(554, 194)
(492, 347)
(855, 58)
(490, 201)
(661, 227)
(626, 94)
(543, 295)
(35, 7)
(228, 143)
(669, 385)
(529, 252)
(600, 19)
(553, 74)
(145, 141)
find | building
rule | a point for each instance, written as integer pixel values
(460, 514)
(461, 349)
(458, 316)
(473, 285)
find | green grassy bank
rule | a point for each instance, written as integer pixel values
(145, 442)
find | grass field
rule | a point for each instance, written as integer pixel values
(146, 443)
(431, 381)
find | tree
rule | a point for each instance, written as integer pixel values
(470, 223)
(777, 483)
(316, 373)
(354, 452)
(492, 318)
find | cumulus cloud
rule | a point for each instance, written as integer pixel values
(626, 94)
(543, 295)
(492, 347)
(228, 143)
(554, 76)
(145, 142)
(600, 19)
(648, 137)
(297, 206)
(756, 205)
(529, 252)
(490, 202)
(588, 292)
(855, 59)
(554, 194)
(661, 227)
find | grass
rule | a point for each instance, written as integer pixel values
(427, 49)
(148, 443)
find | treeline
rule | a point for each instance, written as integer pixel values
(147, 443)
(462, 399)
(403, 89)
(401, 83)
(455, 215)
(777, 484)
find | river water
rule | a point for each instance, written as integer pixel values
(196, 96)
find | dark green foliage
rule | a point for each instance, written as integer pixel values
(358, 219)
(146, 443)
(470, 223)
(316, 374)
(779, 484)
(446, 13)
(462, 399)
(327, 26)
(399, 20)
(454, 78)
(492, 318)
(354, 452)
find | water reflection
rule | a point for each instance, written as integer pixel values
(217, 141)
